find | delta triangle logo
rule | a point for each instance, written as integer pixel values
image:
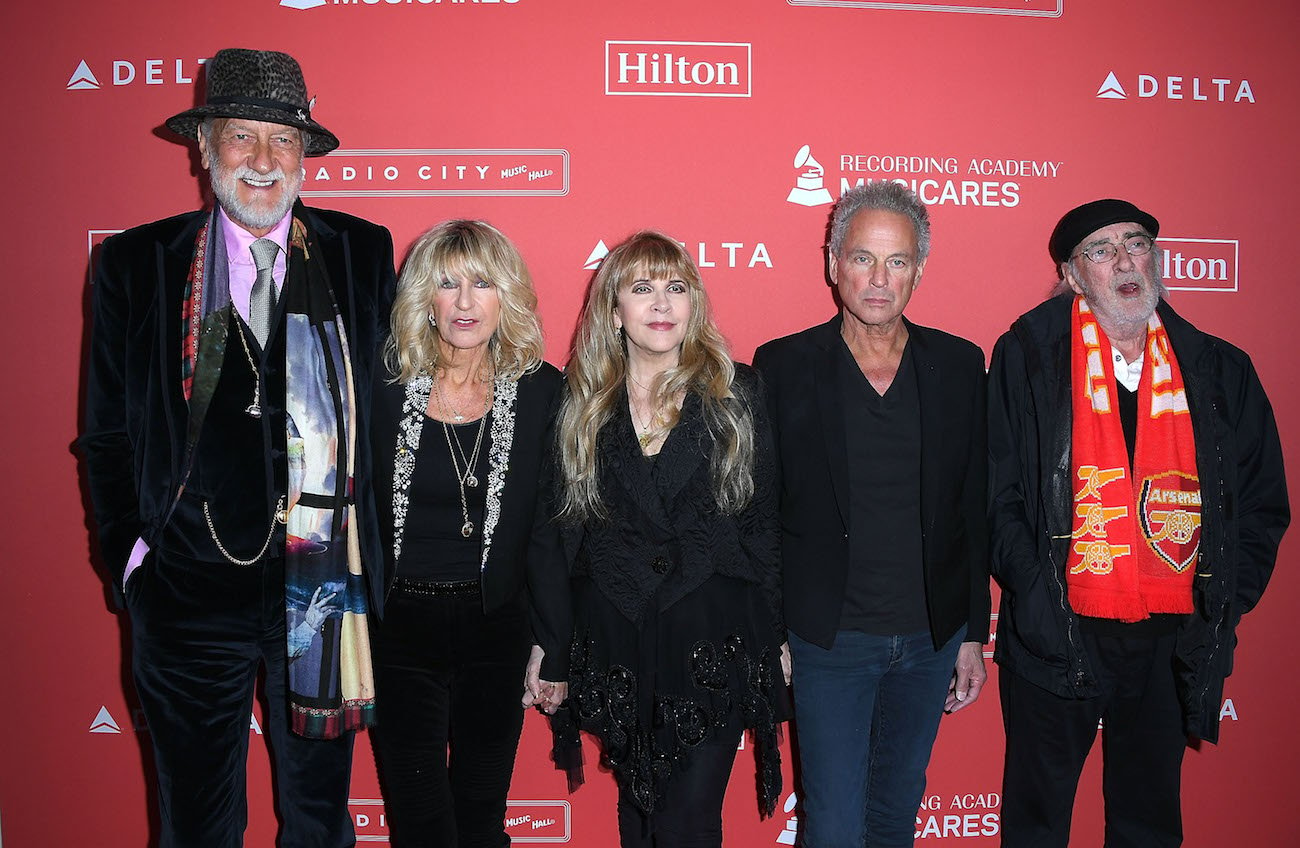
(598, 254)
(1111, 89)
(82, 79)
(302, 4)
(104, 722)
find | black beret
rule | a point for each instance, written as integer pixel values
(1075, 226)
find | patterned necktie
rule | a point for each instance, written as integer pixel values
(261, 304)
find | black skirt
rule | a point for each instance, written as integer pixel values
(704, 669)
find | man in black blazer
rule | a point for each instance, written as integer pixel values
(225, 441)
(881, 435)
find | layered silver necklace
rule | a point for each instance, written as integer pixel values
(461, 464)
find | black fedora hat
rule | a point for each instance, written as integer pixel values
(261, 85)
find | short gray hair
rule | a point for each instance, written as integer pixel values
(889, 197)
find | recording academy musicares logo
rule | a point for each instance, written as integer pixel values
(977, 179)
(483, 172)
(1028, 8)
(1178, 87)
(707, 254)
(678, 68)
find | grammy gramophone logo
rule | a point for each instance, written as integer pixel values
(810, 185)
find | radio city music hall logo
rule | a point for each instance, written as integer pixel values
(440, 173)
(1027, 8)
(678, 68)
(1178, 87)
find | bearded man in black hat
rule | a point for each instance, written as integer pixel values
(226, 418)
(1138, 500)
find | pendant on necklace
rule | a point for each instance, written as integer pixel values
(254, 409)
(466, 529)
(458, 417)
(645, 440)
(471, 481)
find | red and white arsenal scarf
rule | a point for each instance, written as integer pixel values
(1135, 536)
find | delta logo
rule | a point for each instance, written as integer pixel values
(1197, 264)
(1170, 87)
(678, 68)
(538, 821)
(1026, 8)
(707, 254)
(116, 73)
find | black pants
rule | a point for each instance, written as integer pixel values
(1048, 739)
(690, 815)
(448, 676)
(200, 631)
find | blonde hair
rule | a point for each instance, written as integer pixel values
(597, 371)
(477, 250)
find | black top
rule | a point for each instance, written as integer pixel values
(433, 547)
(885, 591)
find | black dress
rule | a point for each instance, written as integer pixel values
(676, 609)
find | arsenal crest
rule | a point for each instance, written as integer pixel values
(1170, 510)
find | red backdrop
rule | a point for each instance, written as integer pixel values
(570, 124)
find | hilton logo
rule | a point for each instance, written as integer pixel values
(1189, 264)
(678, 68)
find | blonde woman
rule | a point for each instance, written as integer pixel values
(460, 430)
(668, 511)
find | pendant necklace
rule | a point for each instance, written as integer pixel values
(466, 477)
(254, 409)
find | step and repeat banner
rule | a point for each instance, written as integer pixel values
(731, 125)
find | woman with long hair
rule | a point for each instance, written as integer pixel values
(668, 512)
(462, 425)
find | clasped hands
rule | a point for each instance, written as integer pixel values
(546, 695)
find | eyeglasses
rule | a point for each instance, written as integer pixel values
(1106, 252)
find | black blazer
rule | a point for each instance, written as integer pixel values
(802, 378)
(135, 434)
(507, 570)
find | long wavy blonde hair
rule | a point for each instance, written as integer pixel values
(597, 372)
(477, 250)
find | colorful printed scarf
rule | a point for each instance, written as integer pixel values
(331, 688)
(1134, 542)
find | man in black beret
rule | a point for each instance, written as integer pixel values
(1138, 500)
(226, 418)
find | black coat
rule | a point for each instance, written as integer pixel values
(135, 436)
(802, 376)
(1244, 508)
(514, 562)
(663, 534)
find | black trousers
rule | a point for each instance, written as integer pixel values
(200, 632)
(448, 676)
(690, 815)
(1048, 739)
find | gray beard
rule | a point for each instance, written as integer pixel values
(225, 186)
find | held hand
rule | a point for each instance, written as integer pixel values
(553, 694)
(532, 686)
(968, 677)
(785, 663)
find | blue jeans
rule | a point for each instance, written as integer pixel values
(866, 714)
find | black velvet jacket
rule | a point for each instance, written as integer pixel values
(136, 434)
